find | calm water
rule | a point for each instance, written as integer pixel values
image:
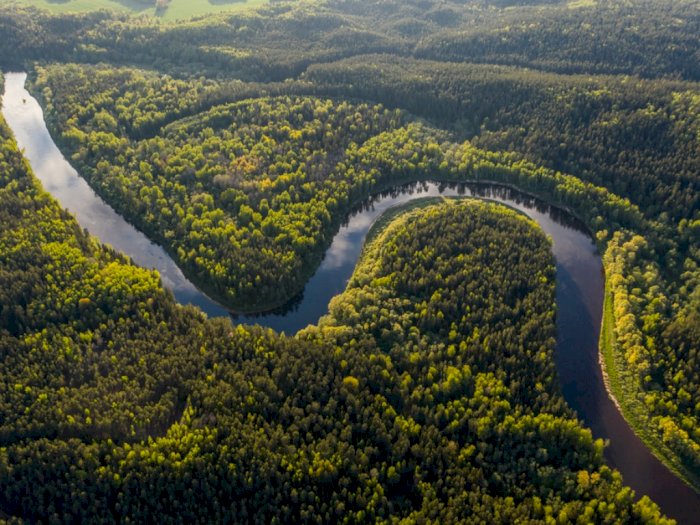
(579, 291)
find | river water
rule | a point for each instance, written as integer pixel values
(579, 289)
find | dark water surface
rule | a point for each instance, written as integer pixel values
(579, 290)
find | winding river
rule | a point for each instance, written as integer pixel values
(579, 289)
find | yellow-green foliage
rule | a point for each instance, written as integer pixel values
(248, 199)
(169, 10)
(109, 389)
(248, 194)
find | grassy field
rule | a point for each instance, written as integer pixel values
(576, 4)
(177, 9)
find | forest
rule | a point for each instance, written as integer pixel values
(240, 143)
(397, 404)
(209, 206)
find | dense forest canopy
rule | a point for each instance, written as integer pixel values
(397, 404)
(240, 142)
(650, 38)
(635, 137)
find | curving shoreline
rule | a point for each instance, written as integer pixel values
(580, 287)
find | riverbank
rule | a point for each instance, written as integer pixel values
(627, 402)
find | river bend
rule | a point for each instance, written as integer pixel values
(579, 287)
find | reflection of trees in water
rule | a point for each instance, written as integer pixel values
(558, 215)
(407, 192)
(287, 308)
(486, 190)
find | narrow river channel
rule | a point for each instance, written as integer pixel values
(579, 289)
